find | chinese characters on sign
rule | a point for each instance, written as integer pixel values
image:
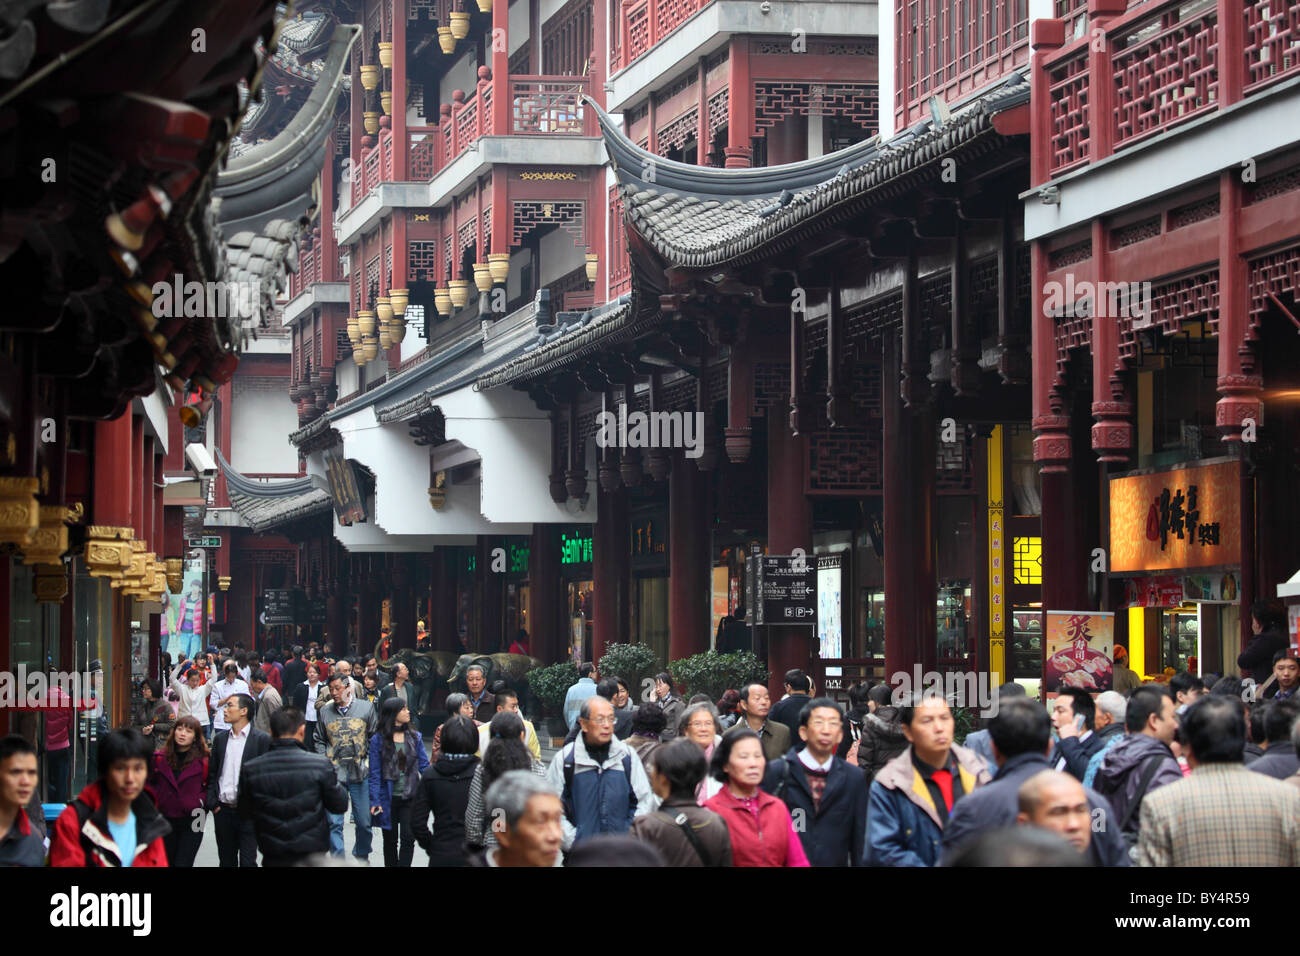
(343, 489)
(1079, 646)
(1186, 517)
(1172, 514)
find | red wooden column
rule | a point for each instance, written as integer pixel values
(1112, 430)
(611, 570)
(137, 469)
(689, 526)
(401, 144)
(1046, 37)
(789, 526)
(114, 474)
(502, 97)
(740, 106)
(910, 571)
(600, 52)
(1239, 384)
(356, 104)
(544, 594)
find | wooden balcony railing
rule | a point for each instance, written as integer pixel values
(643, 23)
(309, 270)
(550, 105)
(1161, 64)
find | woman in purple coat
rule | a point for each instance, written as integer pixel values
(178, 779)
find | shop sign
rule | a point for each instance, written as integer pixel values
(575, 549)
(344, 491)
(649, 541)
(207, 541)
(786, 586)
(1187, 517)
(518, 559)
(1212, 588)
(316, 610)
(1080, 647)
(830, 634)
(1164, 591)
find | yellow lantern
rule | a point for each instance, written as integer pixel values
(459, 292)
(370, 121)
(446, 42)
(482, 277)
(366, 320)
(499, 265)
(442, 300)
(459, 24)
(369, 76)
(398, 299)
(386, 54)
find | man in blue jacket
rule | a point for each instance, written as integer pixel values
(1022, 739)
(914, 794)
(827, 798)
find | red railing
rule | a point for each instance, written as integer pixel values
(425, 155)
(309, 270)
(550, 105)
(1161, 64)
(643, 23)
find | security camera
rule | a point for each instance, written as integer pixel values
(201, 459)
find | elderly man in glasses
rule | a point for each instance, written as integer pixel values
(599, 778)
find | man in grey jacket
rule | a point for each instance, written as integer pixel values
(1142, 761)
(343, 731)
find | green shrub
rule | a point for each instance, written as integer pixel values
(635, 663)
(713, 673)
(550, 684)
(964, 722)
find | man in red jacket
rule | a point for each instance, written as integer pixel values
(113, 822)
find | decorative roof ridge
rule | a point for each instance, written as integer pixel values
(262, 489)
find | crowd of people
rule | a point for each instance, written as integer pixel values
(275, 754)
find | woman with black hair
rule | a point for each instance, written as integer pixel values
(761, 831)
(505, 751)
(686, 833)
(153, 716)
(444, 792)
(397, 759)
(178, 778)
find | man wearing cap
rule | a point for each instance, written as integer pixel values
(1125, 681)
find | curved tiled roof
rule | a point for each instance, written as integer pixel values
(265, 504)
(700, 216)
(585, 332)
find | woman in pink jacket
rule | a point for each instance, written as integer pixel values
(762, 833)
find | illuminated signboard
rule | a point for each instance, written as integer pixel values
(575, 549)
(1187, 517)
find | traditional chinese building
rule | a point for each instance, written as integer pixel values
(1163, 224)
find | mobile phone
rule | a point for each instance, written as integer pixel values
(1079, 722)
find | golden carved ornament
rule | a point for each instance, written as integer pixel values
(50, 584)
(50, 539)
(438, 493)
(223, 582)
(175, 574)
(20, 514)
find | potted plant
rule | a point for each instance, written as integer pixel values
(635, 663)
(550, 685)
(713, 673)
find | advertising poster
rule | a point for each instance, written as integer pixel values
(1080, 648)
(184, 621)
(830, 634)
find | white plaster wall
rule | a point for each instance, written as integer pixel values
(559, 254)
(518, 25)
(550, 8)
(462, 76)
(259, 430)
(345, 376)
(885, 9)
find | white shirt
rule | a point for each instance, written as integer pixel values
(192, 700)
(311, 702)
(1060, 764)
(811, 763)
(220, 691)
(228, 788)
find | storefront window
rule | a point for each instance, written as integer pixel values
(582, 609)
(1180, 638)
(869, 641)
(1026, 651)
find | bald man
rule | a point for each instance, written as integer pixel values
(1056, 801)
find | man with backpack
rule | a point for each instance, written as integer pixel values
(1142, 761)
(599, 778)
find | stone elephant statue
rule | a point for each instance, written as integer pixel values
(510, 668)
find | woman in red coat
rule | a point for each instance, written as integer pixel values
(178, 780)
(762, 833)
(113, 822)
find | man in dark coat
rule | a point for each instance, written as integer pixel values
(1279, 758)
(288, 794)
(236, 841)
(826, 797)
(1022, 737)
(295, 671)
(1268, 623)
(1142, 761)
(1073, 714)
(882, 733)
(798, 689)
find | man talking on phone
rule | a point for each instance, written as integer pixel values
(1073, 713)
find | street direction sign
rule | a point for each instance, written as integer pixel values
(786, 588)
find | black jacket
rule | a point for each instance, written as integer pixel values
(444, 792)
(1258, 655)
(787, 712)
(295, 672)
(996, 804)
(258, 743)
(288, 793)
(835, 834)
(298, 696)
(1077, 753)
